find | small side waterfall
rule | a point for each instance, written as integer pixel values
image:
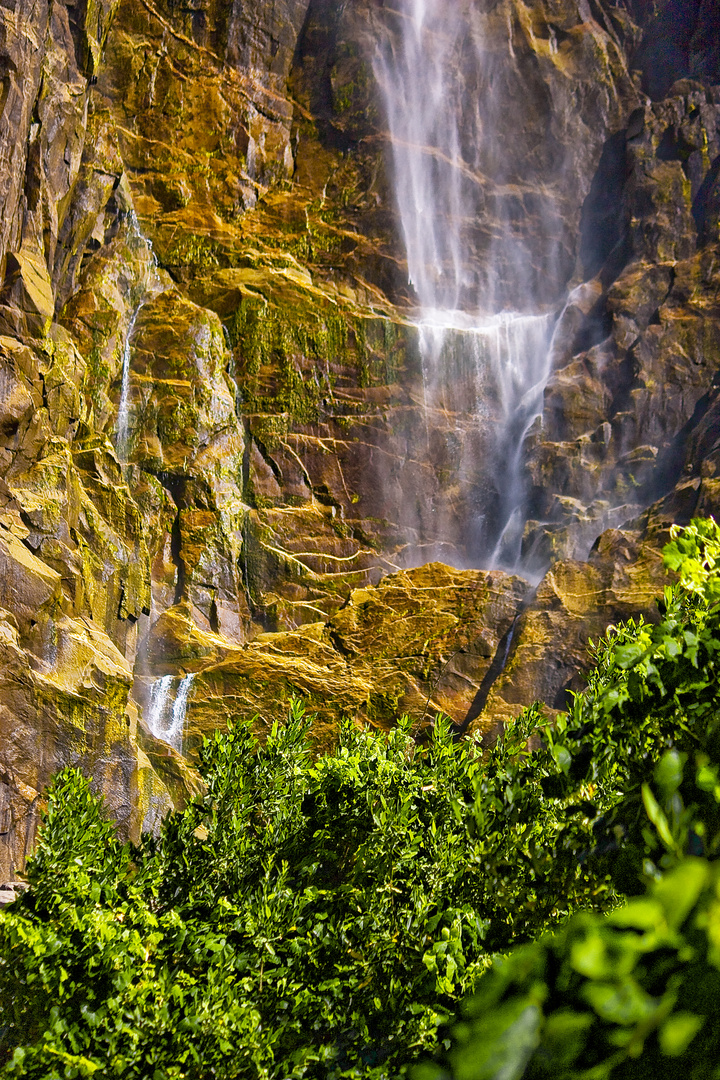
(151, 288)
(177, 726)
(166, 712)
(474, 280)
(157, 706)
(123, 417)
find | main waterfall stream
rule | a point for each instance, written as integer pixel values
(474, 280)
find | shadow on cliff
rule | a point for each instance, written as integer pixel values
(316, 52)
(682, 41)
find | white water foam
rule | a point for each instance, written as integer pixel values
(157, 706)
(177, 726)
(166, 721)
(123, 418)
(425, 150)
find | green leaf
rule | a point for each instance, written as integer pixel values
(626, 656)
(678, 891)
(562, 757)
(501, 1045)
(644, 913)
(565, 1036)
(678, 1031)
(669, 772)
(621, 1003)
(657, 817)
(589, 956)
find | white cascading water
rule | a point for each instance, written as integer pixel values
(158, 705)
(443, 137)
(166, 713)
(123, 417)
(152, 287)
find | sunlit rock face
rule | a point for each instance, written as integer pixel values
(316, 321)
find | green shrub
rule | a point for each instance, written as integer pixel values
(302, 919)
(322, 918)
(305, 918)
(632, 995)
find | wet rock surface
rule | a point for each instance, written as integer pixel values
(199, 235)
(636, 373)
(420, 642)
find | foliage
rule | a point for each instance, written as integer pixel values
(633, 994)
(694, 551)
(303, 918)
(321, 918)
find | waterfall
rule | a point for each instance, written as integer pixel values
(157, 706)
(166, 721)
(427, 163)
(177, 725)
(150, 288)
(475, 282)
(123, 418)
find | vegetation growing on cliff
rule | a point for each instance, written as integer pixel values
(632, 995)
(323, 918)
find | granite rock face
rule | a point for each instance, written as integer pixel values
(635, 373)
(219, 457)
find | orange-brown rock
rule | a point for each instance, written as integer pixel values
(419, 642)
(219, 452)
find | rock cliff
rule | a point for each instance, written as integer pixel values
(218, 456)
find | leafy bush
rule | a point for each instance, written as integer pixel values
(303, 918)
(322, 918)
(633, 994)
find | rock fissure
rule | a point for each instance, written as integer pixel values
(493, 673)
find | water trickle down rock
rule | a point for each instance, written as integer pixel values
(151, 288)
(158, 703)
(159, 706)
(177, 727)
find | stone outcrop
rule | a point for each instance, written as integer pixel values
(422, 641)
(636, 372)
(220, 454)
